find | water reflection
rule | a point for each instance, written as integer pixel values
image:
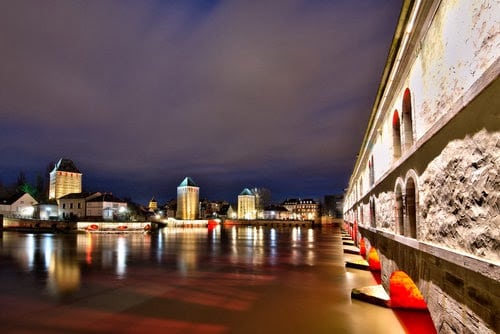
(232, 278)
(59, 260)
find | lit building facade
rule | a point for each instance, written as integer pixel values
(19, 205)
(188, 200)
(153, 205)
(65, 179)
(246, 205)
(75, 205)
(302, 209)
(424, 189)
(107, 207)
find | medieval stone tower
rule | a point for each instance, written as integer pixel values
(188, 200)
(65, 179)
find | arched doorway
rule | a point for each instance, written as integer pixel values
(399, 211)
(396, 136)
(411, 208)
(373, 222)
(407, 120)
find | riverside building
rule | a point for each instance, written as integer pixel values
(188, 200)
(65, 179)
(246, 205)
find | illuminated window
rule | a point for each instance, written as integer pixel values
(407, 121)
(396, 136)
(371, 171)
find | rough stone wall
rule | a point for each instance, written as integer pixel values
(460, 197)
(461, 44)
(384, 211)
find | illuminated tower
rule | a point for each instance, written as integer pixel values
(246, 205)
(65, 179)
(153, 204)
(188, 200)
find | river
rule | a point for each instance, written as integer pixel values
(189, 280)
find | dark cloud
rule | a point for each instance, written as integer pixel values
(232, 93)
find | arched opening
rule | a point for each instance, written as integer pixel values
(362, 247)
(404, 293)
(373, 260)
(399, 211)
(411, 208)
(371, 172)
(396, 136)
(407, 121)
(373, 222)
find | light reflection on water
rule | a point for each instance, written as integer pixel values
(222, 267)
(63, 257)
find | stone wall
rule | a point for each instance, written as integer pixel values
(461, 293)
(460, 197)
(384, 211)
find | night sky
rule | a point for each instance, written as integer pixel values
(235, 94)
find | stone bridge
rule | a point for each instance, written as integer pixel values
(425, 188)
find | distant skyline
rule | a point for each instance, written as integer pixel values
(234, 94)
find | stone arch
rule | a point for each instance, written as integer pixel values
(404, 293)
(396, 136)
(407, 120)
(411, 200)
(373, 259)
(373, 220)
(398, 207)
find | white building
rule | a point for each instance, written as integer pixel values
(246, 205)
(106, 206)
(19, 205)
(75, 205)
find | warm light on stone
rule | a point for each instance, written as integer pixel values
(404, 293)
(362, 247)
(373, 259)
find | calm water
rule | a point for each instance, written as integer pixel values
(225, 280)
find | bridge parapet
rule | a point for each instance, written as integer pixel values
(462, 292)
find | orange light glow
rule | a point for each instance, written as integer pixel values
(404, 293)
(362, 247)
(373, 259)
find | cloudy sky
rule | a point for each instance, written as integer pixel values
(234, 93)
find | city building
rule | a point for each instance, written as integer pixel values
(107, 207)
(75, 205)
(246, 205)
(276, 212)
(424, 190)
(65, 179)
(18, 205)
(188, 200)
(302, 209)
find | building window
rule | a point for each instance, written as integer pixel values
(79, 205)
(71, 205)
(371, 171)
(64, 206)
(396, 136)
(407, 121)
